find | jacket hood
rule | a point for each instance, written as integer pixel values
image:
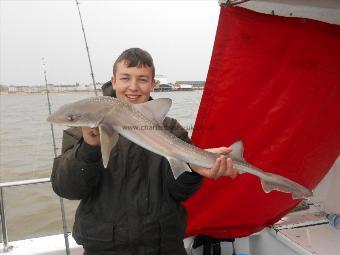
(108, 90)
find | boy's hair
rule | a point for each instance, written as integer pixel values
(135, 57)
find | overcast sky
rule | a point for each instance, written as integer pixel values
(178, 34)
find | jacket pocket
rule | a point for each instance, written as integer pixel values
(92, 230)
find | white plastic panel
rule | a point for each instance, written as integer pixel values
(319, 239)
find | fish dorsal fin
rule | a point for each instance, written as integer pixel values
(155, 109)
(237, 150)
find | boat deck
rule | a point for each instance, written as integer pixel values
(47, 245)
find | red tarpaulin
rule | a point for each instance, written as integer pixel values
(273, 82)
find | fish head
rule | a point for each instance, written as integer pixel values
(84, 113)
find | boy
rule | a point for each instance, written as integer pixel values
(133, 206)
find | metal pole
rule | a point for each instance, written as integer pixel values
(49, 108)
(62, 207)
(24, 182)
(87, 48)
(6, 248)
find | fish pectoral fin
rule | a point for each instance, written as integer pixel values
(237, 150)
(267, 186)
(178, 167)
(108, 139)
(155, 109)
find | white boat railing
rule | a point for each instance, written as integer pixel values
(5, 241)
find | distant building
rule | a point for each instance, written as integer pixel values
(62, 88)
(194, 84)
(3, 88)
(36, 89)
(161, 79)
(25, 89)
(183, 87)
(53, 88)
(12, 89)
(83, 87)
(163, 87)
(22, 89)
(89, 87)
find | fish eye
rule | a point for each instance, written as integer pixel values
(71, 117)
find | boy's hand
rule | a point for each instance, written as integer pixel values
(91, 135)
(222, 167)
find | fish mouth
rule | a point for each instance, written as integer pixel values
(55, 119)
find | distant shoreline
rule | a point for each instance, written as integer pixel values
(41, 93)
(70, 92)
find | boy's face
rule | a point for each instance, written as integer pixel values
(133, 84)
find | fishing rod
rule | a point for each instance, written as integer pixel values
(87, 48)
(62, 207)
